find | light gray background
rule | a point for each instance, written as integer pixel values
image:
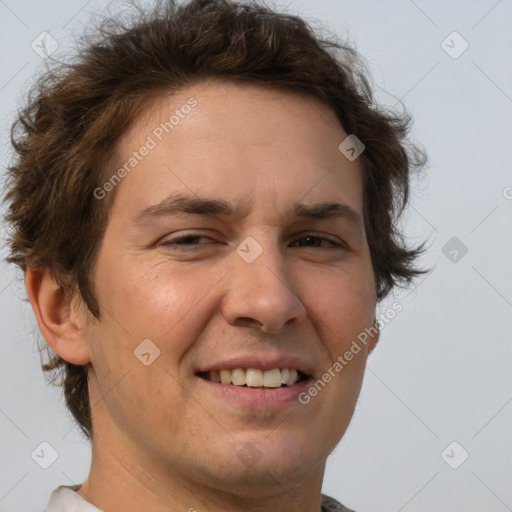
(441, 372)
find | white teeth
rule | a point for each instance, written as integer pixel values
(225, 376)
(272, 378)
(238, 377)
(294, 377)
(255, 378)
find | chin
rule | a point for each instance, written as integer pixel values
(269, 459)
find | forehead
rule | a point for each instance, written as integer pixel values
(239, 103)
(241, 142)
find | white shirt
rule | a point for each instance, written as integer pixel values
(66, 499)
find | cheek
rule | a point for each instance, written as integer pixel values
(159, 302)
(343, 307)
(139, 296)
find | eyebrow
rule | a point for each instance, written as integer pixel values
(179, 203)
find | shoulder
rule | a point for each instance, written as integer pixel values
(66, 499)
(331, 505)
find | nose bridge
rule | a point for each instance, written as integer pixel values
(261, 291)
(262, 261)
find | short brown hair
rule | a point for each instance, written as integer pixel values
(76, 112)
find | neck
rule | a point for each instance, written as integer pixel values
(121, 479)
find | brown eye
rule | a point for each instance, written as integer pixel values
(318, 241)
(187, 242)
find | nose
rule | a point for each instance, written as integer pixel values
(261, 294)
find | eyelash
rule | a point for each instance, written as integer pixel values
(175, 243)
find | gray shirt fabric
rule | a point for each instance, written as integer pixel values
(331, 505)
(66, 499)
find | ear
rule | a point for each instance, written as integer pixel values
(60, 320)
(375, 336)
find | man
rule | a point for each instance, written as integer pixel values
(204, 210)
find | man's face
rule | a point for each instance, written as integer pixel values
(270, 285)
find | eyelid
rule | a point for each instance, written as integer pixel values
(173, 242)
(331, 238)
(336, 240)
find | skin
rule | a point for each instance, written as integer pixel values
(162, 440)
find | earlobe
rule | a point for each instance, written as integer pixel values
(375, 335)
(61, 323)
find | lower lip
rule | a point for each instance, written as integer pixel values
(268, 399)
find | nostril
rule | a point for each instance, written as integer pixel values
(248, 322)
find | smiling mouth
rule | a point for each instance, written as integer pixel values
(255, 377)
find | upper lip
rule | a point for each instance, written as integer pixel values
(259, 361)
